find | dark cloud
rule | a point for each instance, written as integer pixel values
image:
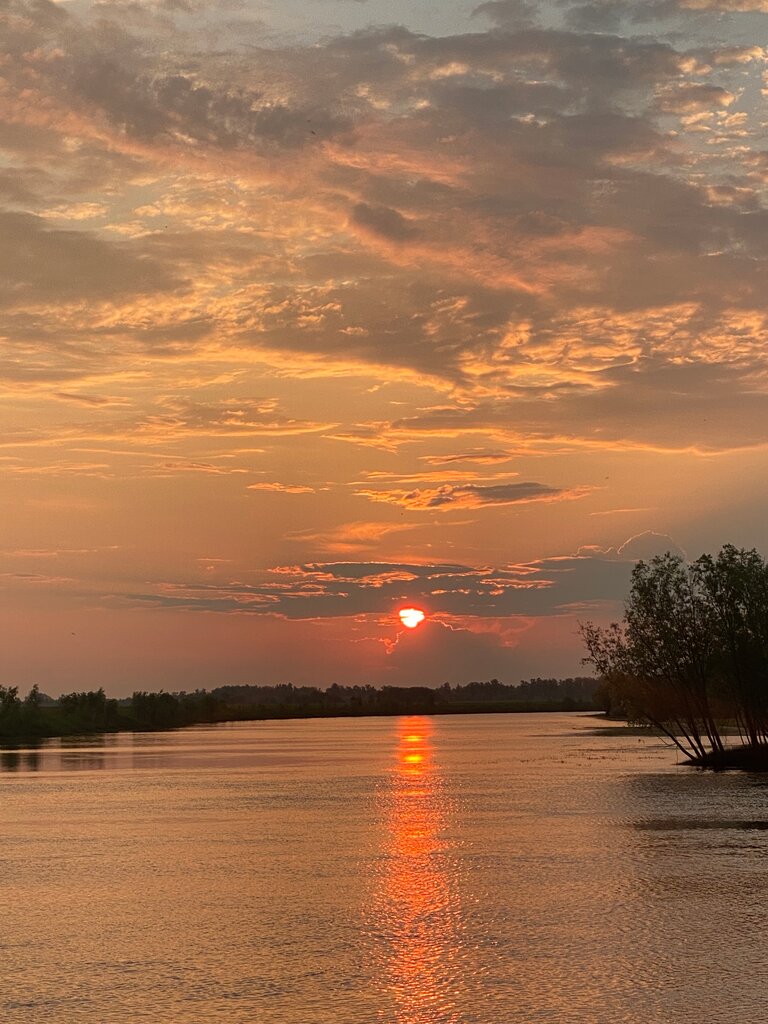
(509, 13)
(605, 16)
(102, 71)
(42, 264)
(660, 405)
(383, 220)
(329, 589)
(182, 108)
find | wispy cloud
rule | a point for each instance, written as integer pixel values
(281, 488)
(349, 538)
(470, 496)
(320, 590)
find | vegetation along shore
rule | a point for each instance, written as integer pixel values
(38, 715)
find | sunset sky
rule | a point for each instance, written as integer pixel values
(313, 310)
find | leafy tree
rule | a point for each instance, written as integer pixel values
(736, 587)
(88, 710)
(10, 710)
(692, 651)
(154, 710)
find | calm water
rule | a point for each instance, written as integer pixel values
(458, 870)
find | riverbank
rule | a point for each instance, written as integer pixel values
(744, 757)
(748, 758)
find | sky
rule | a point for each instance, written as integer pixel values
(314, 309)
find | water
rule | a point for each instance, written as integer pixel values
(499, 869)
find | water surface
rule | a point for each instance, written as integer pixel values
(499, 869)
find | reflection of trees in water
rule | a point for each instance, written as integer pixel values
(83, 760)
(416, 914)
(19, 760)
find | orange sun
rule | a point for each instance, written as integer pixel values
(411, 617)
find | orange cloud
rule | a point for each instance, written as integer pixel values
(450, 497)
(282, 488)
(349, 538)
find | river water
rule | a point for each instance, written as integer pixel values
(487, 869)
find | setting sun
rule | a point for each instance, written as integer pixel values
(411, 617)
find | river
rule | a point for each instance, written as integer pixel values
(485, 869)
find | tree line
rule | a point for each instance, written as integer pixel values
(533, 694)
(690, 656)
(89, 711)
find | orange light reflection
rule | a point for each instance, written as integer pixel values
(417, 904)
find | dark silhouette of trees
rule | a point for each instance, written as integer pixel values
(88, 711)
(691, 655)
(156, 710)
(91, 711)
(10, 710)
(735, 586)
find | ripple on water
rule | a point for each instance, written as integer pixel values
(463, 870)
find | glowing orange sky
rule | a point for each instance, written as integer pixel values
(306, 321)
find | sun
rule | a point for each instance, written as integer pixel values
(411, 617)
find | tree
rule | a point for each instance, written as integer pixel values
(736, 585)
(10, 710)
(156, 710)
(88, 711)
(692, 652)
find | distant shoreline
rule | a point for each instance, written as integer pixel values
(55, 730)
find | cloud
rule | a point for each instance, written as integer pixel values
(97, 401)
(691, 98)
(607, 15)
(281, 488)
(42, 264)
(731, 6)
(61, 468)
(183, 109)
(478, 455)
(169, 469)
(593, 578)
(642, 546)
(174, 419)
(382, 220)
(659, 405)
(513, 14)
(646, 545)
(621, 511)
(464, 496)
(528, 189)
(56, 552)
(349, 538)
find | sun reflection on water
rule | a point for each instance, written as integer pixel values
(416, 913)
